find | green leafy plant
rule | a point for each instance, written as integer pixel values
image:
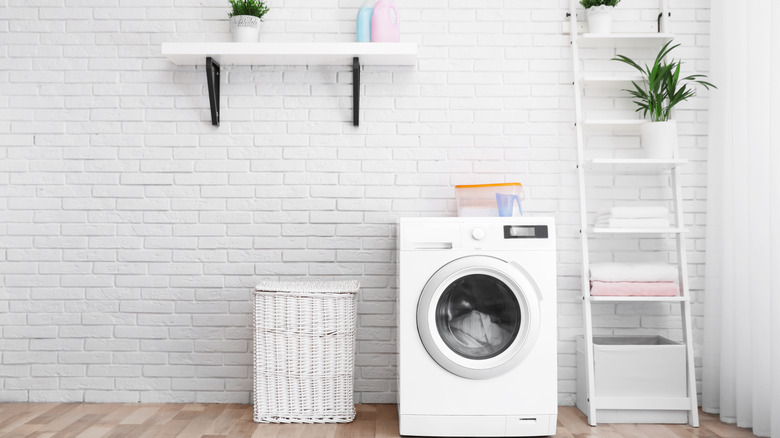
(255, 8)
(662, 87)
(592, 3)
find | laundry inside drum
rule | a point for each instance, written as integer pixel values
(478, 316)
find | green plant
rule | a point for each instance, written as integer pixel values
(662, 87)
(255, 8)
(591, 3)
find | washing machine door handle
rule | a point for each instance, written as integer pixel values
(529, 278)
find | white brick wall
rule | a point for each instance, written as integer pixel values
(132, 231)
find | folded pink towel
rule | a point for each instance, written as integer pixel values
(633, 289)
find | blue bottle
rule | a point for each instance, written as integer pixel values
(365, 14)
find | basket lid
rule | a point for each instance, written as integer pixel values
(476, 186)
(309, 286)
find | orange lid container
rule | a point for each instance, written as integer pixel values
(482, 200)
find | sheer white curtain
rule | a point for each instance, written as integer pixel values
(741, 355)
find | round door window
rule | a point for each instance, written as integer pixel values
(478, 316)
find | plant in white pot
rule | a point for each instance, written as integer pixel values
(661, 90)
(245, 19)
(599, 14)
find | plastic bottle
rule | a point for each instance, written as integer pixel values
(385, 24)
(365, 14)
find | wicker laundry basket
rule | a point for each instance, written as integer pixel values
(304, 356)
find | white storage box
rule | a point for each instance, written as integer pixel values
(636, 367)
(304, 358)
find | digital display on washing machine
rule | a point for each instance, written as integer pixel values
(525, 232)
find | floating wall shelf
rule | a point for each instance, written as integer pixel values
(214, 54)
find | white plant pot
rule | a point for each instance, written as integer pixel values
(659, 139)
(245, 28)
(600, 19)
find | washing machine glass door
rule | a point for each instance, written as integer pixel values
(479, 316)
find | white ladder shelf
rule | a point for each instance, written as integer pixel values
(637, 166)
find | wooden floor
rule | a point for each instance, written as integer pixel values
(222, 421)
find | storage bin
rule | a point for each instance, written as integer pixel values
(634, 366)
(483, 200)
(304, 351)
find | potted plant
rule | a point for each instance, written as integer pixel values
(599, 14)
(245, 19)
(661, 90)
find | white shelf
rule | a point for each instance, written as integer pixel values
(609, 80)
(614, 124)
(627, 299)
(604, 230)
(632, 165)
(624, 39)
(640, 41)
(213, 55)
(291, 53)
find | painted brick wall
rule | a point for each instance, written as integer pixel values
(132, 231)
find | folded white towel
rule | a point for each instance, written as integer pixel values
(639, 212)
(633, 272)
(638, 223)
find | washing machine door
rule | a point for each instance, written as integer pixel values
(478, 316)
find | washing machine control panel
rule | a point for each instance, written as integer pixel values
(484, 234)
(495, 234)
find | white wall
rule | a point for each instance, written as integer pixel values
(132, 231)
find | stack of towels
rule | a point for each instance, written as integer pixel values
(634, 217)
(633, 280)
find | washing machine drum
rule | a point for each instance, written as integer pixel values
(478, 316)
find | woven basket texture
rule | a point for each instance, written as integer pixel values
(304, 356)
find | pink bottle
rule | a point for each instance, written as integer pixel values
(385, 24)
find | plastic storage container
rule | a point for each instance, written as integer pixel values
(490, 200)
(634, 367)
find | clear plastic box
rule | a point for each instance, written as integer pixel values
(490, 200)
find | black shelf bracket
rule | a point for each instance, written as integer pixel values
(356, 91)
(212, 79)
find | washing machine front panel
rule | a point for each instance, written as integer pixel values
(478, 316)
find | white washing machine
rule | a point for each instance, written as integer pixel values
(477, 327)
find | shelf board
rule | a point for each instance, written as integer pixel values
(624, 39)
(603, 230)
(632, 165)
(614, 124)
(291, 53)
(627, 299)
(642, 403)
(609, 80)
